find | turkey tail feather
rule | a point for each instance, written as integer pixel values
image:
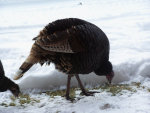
(23, 68)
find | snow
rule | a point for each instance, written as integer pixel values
(125, 22)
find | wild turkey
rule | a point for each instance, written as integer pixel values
(75, 47)
(7, 84)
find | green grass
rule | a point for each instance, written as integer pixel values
(113, 89)
(20, 101)
(12, 104)
(4, 104)
(26, 99)
(61, 93)
(116, 88)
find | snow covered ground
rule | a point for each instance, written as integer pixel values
(125, 22)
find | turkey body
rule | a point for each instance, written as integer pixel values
(75, 47)
(89, 46)
(94, 51)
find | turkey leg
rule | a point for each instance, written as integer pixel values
(86, 93)
(68, 87)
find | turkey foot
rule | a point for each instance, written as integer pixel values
(69, 98)
(84, 92)
(88, 93)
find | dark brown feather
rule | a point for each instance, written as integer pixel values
(61, 41)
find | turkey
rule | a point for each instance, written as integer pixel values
(75, 47)
(7, 84)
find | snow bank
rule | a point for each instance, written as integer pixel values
(52, 79)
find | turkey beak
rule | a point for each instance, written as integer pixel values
(110, 77)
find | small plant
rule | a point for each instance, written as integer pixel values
(61, 93)
(13, 98)
(58, 111)
(137, 84)
(26, 99)
(12, 104)
(4, 104)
